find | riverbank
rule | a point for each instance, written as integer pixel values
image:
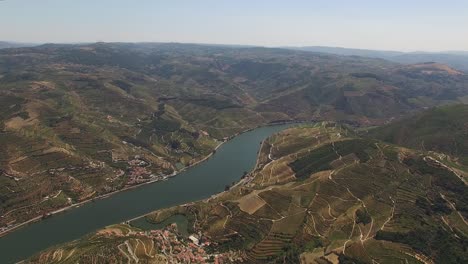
(199, 182)
(242, 181)
(104, 196)
(128, 188)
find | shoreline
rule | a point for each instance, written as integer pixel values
(174, 174)
(240, 182)
(104, 196)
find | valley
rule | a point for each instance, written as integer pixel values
(319, 193)
(195, 183)
(233, 132)
(81, 122)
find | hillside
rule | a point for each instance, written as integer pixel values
(442, 129)
(79, 121)
(319, 194)
(458, 60)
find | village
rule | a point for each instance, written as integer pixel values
(139, 173)
(169, 246)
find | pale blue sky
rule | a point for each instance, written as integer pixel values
(430, 25)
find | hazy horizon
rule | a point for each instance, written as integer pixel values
(230, 44)
(427, 26)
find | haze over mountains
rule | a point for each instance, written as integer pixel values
(456, 59)
(6, 44)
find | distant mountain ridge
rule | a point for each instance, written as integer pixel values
(456, 59)
(7, 45)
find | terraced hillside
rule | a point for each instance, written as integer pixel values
(442, 129)
(79, 121)
(319, 194)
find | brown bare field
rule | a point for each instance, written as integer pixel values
(251, 203)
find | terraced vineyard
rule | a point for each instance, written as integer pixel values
(322, 194)
(88, 120)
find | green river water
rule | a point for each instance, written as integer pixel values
(210, 177)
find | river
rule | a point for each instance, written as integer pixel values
(227, 165)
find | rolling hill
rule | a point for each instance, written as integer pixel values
(458, 60)
(442, 129)
(79, 121)
(319, 194)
